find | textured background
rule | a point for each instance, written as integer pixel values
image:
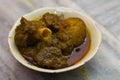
(104, 66)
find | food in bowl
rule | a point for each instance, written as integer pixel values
(52, 41)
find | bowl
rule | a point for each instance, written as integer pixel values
(91, 26)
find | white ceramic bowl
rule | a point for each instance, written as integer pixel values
(91, 25)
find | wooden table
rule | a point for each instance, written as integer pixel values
(104, 66)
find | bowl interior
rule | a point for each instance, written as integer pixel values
(91, 26)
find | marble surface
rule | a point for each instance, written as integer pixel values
(104, 66)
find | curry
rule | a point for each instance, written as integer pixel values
(52, 41)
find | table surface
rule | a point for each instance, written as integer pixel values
(104, 66)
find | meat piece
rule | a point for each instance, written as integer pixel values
(66, 47)
(51, 57)
(20, 37)
(52, 21)
(29, 51)
(26, 31)
(20, 40)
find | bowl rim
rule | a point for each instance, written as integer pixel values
(51, 70)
